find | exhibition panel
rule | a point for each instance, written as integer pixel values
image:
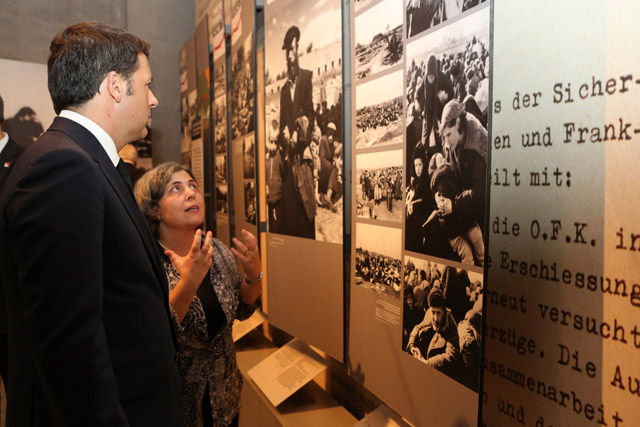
(304, 152)
(419, 174)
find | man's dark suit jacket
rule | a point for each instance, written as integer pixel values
(89, 332)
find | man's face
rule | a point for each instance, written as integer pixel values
(438, 317)
(292, 57)
(138, 102)
(451, 136)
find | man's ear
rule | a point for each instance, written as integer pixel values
(115, 86)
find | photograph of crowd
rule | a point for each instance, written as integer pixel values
(378, 35)
(447, 140)
(442, 318)
(304, 155)
(379, 186)
(250, 202)
(249, 158)
(379, 111)
(424, 14)
(378, 263)
(242, 117)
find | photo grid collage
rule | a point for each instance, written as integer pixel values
(420, 145)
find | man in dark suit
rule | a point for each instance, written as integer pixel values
(90, 341)
(9, 153)
(298, 205)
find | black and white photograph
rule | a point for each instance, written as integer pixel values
(303, 80)
(236, 21)
(216, 31)
(379, 186)
(220, 124)
(249, 158)
(442, 318)
(242, 117)
(221, 169)
(378, 264)
(424, 14)
(447, 141)
(222, 198)
(219, 79)
(379, 116)
(378, 36)
(359, 4)
(250, 202)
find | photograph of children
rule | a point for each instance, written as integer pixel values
(379, 111)
(424, 14)
(442, 318)
(249, 158)
(378, 35)
(220, 124)
(379, 186)
(219, 79)
(447, 140)
(303, 79)
(242, 117)
(250, 202)
(378, 257)
(222, 197)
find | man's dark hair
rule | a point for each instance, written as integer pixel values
(83, 54)
(1, 110)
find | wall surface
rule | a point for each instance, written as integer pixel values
(27, 27)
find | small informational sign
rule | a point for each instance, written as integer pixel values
(287, 370)
(242, 328)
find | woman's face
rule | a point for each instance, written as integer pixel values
(182, 205)
(417, 164)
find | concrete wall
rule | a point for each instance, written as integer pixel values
(27, 27)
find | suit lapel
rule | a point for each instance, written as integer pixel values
(90, 144)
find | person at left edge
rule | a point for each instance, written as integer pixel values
(9, 153)
(90, 339)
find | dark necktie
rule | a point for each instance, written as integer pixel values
(124, 173)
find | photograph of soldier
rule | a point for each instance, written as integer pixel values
(242, 117)
(249, 158)
(379, 111)
(379, 186)
(377, 264)
(378, 35)
(447, 140)
(442, 318)
(304, 155)
(250, 202)
(424, 14)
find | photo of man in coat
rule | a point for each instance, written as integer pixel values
(298, 203)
